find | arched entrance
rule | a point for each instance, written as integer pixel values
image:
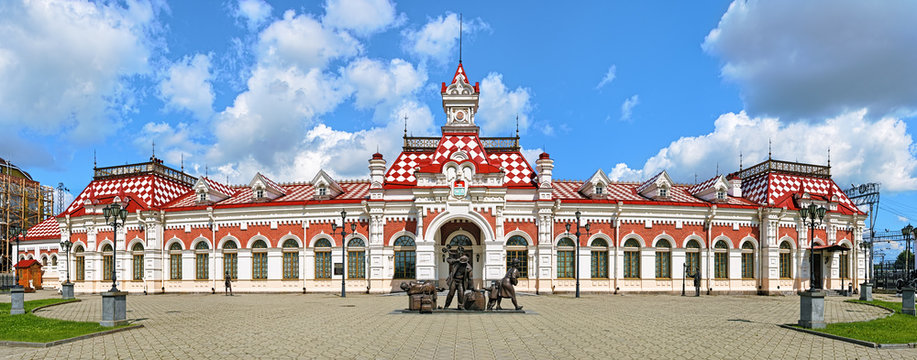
(452, 235)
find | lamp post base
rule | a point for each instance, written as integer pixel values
(866, 291)
(812, 309)
(66, 290)
(114, 308)
(17, 298)
(907, 301)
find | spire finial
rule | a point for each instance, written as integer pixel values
(517, 125)
(829, 155)
(206, 171)
(405, 125)
(154, 149)
(768, 148)
(460, 38)
(717, 168)
(182, 162)
(94, 163)
(740, 161)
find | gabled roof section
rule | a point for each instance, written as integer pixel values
(461, 77)
(469, 145)
(712, 182)
(213, 186)
(47, 229)
(778, 190)
(269, 184)
(322, 178)
(661, 179)
(589, 186)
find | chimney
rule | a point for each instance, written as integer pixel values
(544, 166)
(377, 171)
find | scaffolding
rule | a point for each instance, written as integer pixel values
(23, 203)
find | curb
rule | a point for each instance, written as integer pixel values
(831, 336)
(74, 300)
(68, 340)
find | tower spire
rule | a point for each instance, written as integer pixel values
(829, 155)
(517, 125)
(460, 38)
(182, 162)
(94, 163)
(154, 149)
(740, 161)
(768, 148)
(405, 125)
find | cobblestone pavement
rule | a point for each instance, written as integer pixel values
(363, 326)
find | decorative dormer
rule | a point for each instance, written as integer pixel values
(264, 189)
(208, 191)
(325, 187)
(658, 187)
(596, 187)
(460, 102)
(713, 190)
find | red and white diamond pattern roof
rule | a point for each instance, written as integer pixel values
(218, 187)
(649, 182)
(619, 191)
(518, 171)
(703, 186)
(152, 190)
(48, 229)
(773, 189)
(402, 170)
(449, 144)
(271, 184)
(293, 192)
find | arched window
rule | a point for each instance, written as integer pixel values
(786, 270)
(201, 259)
(323, 259)
(460, 240)
(599, 259)
(230, 260)
(631, 259)
(137, 256)
(259, 260)
(107, 261)
(290, 259)
(663, 259)
(844, 265)
(175, 261)
(517, 251)
(565, 249)
(748, 260)
(405, 257)
(692, 257)
(721, 260)
(53, 260)
(80, 257)
(44, 261)
(356, 259)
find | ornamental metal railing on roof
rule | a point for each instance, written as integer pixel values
(786, 167)
(490, 143)
(152, 167)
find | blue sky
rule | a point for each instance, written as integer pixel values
(289, 87)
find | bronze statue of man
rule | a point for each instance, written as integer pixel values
(459, 273)
(696, 282)
(505, 287)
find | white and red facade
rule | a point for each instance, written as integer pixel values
(459, 185)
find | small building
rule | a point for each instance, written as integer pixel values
(29, 274)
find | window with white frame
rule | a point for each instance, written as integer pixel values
(202, 197)
(259, 193)
(721, 195)
(663, 192)
(322, 191)
(599, 190)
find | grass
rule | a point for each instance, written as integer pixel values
(895, 329)
(31, 328)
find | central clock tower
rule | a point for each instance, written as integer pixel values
(460, 102)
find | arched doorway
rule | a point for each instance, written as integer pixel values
(452, 235)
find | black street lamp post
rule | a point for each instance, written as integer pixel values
(353, 230)
(67, 286)
(908, 257)
(809, 215)
(684, 273)
(115, 212)
(576, 258)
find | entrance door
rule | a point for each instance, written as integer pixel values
(817, 270)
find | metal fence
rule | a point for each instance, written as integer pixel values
(890, 276)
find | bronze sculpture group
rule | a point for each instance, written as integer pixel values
(422, 294)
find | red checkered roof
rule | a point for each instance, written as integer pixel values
(614, 191)
(353, 190)
(47, 229)
(777, 189)
(703, 186)
(218, 187)
(518, 171)
(402, 170)
(152, 190)
(649, 182)
(273, 186)
(450, 144)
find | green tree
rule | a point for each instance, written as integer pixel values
(909, 256)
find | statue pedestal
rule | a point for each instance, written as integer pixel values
(812, 309)
(114, 308)
(66, 290)
(907, 301)
(17, 298)
(866, 292)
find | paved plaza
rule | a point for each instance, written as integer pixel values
(364, 326)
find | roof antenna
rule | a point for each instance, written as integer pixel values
(460, 38)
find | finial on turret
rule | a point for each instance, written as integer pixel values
(94, 164)
(517, 125)
(460, 38)
(768, 148)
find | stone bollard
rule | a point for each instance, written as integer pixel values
(17, 298)
(866, 292)
(907, 301)
(66, 291)
(812, 309)
(114, 308)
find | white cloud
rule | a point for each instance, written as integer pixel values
(438, 38)
(818, 59)
(254, 12)
(302, 41)
(374, 82)
(187, 86)
(64, 64)
(902, 219)
(363, 17)
(627, 107)
(499, 106)
(862, 150)
(608, 78)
